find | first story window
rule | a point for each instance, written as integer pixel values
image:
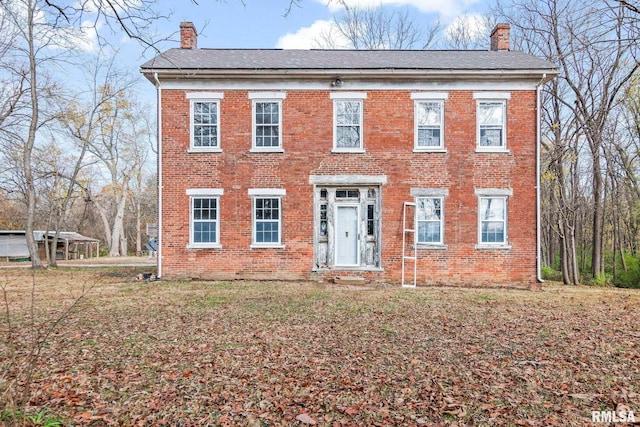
(267, 220)
(429, 220)
(267, 217)
(493, 217)
(204, 216)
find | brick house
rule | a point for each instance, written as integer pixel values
(311, 164)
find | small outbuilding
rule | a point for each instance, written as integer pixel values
(13, 246)
(71, 245)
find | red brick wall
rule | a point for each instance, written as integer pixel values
(389, 142)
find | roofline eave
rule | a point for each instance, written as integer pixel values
(260, 74)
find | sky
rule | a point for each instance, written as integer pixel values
(263, 24)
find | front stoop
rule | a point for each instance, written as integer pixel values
(349, 280)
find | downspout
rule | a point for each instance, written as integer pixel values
(159, 136)
(538, 166)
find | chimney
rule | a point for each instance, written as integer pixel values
(188, 36)
(500, 37)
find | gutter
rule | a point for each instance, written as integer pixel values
(382, 73)
(159, 168)
(538, 166)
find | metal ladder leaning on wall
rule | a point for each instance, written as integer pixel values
(412, 232)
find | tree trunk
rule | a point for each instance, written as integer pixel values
(138, 226)
(32, 245)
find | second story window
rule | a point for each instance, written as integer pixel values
(267, 120)
(347, 122)
(429, 120)
(205, 121)
(491, 112)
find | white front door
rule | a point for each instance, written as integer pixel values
(347, 248)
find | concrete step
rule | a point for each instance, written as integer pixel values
(348, 280)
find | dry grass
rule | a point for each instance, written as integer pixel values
(261, 354)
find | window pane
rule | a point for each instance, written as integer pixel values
(490, 137)
(429, 209)
(323, 219)
(492, 209)
(429, 231)
(492, 232)
(491, 113)
(429, 113)
(428, 137)
(267, 232)
(204, 232)
(348, 137)
(347, 112)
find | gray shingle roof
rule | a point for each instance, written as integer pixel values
(291, 59)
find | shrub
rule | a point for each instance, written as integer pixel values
(549, 273)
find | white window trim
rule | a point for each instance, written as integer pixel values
(483, 97)
(204, 193)
(441, 96)
(267, 95)
(495, 193)
(265, 193)
(277, 98)
(348, 97)
(418, 100)
(204, 97)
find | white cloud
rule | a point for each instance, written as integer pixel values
(474, 25)
(308, 37)
(86, 38)
(120, 6)
(445, 8)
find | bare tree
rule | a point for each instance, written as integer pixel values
(30, 52)
(371, 28)
(469, 32)
(595, 48)
(120, 144)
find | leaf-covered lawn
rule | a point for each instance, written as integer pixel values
(263, 354)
